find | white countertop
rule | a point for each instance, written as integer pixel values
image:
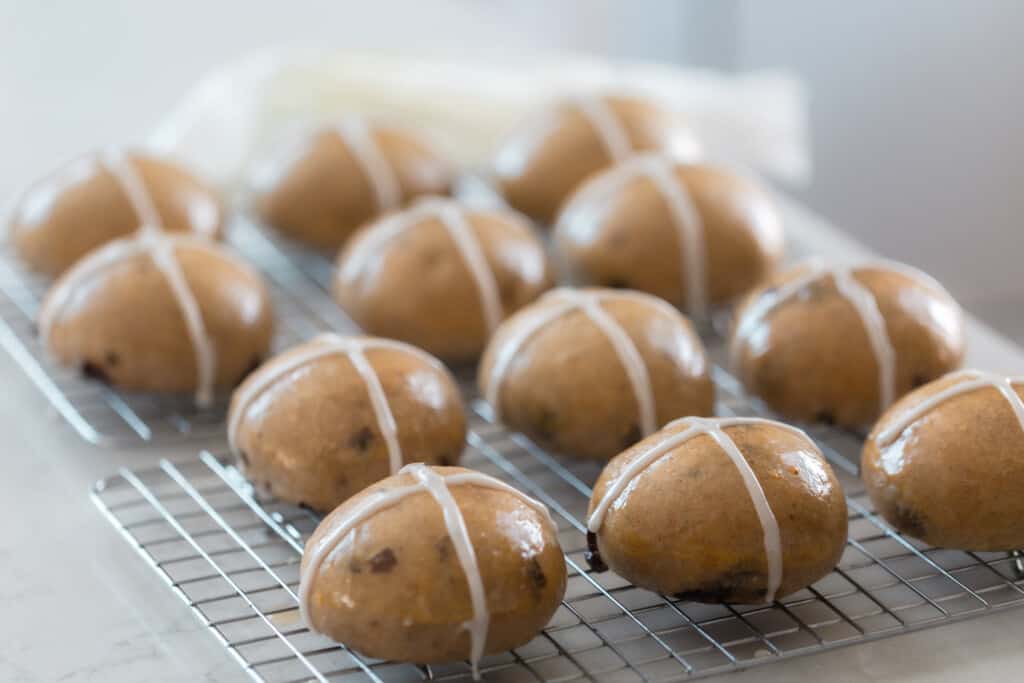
(79, 604)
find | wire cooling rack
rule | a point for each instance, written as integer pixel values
(233, 557)
(105, 416)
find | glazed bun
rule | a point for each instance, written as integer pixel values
(159, 312)
(431, 565)
(324, 420)
(945, 464)
(543, 161)
(322, 187)
(739, 510)
(840, 344)
(692, 234)
(96, 198)
(441, 276)
(590, 372)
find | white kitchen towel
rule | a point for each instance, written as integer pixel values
(228, 120)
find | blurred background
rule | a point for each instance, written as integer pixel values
(915, 110)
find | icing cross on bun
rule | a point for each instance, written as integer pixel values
(656, 515)
(520, 555)
(329, 344)
(974, 380)
(693, 234)
(796, 344)
(440, 275)
(714, 428)
(163, 250)
(649, 341)
(608, 127)
(387, 190)
(944, 464)
(97, 198)
(543, 161)
(321, 187)
(589, 303)
(323, 420)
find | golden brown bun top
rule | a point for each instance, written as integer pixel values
(326, 418)
(319, 188)
(236, 283)
(405, 478)
(806, 345)
(775, 444)
(408, 594)
(967, 411)
(152, 311)
(589, 371)
(407, 359)
(541, 162)
(413, 275)
(898, 289)
(944, 462)
(621, 228)
(657, 324)
(684, 515)
(83, 205)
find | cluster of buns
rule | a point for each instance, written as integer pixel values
(144, 297)
(608, 196)
(610, 365)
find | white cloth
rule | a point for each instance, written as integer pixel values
(233, 114)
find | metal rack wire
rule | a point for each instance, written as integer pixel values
(105, 416)
(233, 558)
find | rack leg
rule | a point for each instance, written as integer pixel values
(1018, 564)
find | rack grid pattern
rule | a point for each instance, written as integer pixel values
(233, 557)
(105, 416)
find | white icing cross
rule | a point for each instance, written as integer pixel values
(355, 133)
(858, 295)
(660, 170)
(453, 218)
(150, 239)
(715, 429)
(607, 125)
(437, 486)
(324, 345)
(564, 301)
(973, 380)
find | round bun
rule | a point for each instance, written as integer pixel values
(322, 187)
(840, 344)
(160, 312)
(590, 372)
(431, 565)
(324, 420)
(441, 276)
(944, 463)
(544, 160)
(103, 196)
(694, 235)
(739, 510)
